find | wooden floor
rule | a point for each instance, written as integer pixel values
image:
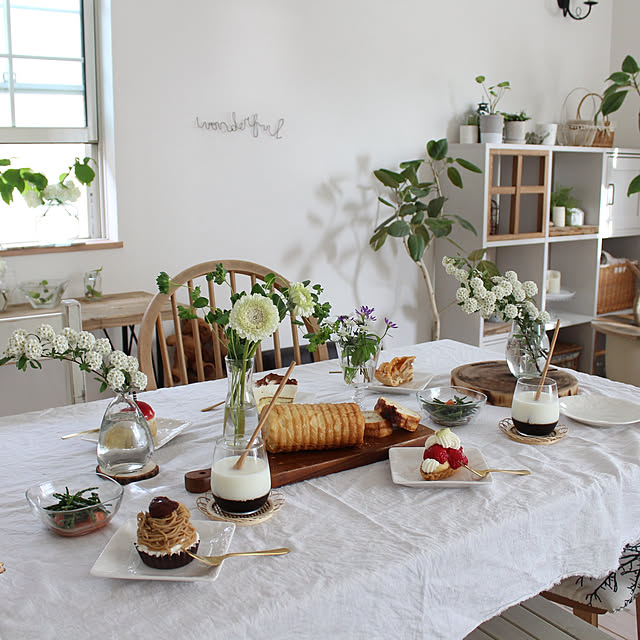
(620, 625)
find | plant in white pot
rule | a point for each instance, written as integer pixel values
(515, 127)
(469, 130)
(491, 124)
(561, 202)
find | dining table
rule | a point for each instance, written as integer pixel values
(369, 558)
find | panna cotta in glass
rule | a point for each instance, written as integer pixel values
(244, 490)
(531, 416)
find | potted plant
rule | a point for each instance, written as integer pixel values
(562, 202)
(469, 131)
(515, 127)
(415, 222)
(491, 124)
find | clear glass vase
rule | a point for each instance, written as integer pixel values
(357, 373)
(527, 349)
(240, 412)
(125, 443)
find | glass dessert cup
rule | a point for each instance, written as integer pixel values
(533, 417)
(240, 491)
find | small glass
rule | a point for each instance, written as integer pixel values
(245, 490)
(357, 374)
(533, 417)
(93, 284)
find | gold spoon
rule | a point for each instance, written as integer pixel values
(213, 406)
(481, 473)
(215, 561)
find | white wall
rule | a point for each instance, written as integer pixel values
(360, 84)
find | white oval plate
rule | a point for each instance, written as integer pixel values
(599, 410)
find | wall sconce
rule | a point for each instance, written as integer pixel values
(564, 5)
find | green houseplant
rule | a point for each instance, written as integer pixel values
(418, 215)
(515, 126)
(562, 201)
(491, 124)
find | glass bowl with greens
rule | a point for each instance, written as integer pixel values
(451, 406)
(43, 294)
(77, 506)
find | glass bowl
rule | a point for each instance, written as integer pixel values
(451, 406)
(43, 294)
(83, 520)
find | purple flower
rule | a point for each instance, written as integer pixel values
(366, 313)
(391, 325)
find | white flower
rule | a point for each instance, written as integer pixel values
(462, 294)
(254, 317)
(115, 379)
(118, 359)
(511, 276)
(447, 260)
(32, 198)
(302, 300)
(139, 380)
(489, 297)
(93, 359)
(500, 292)
(103, 346)
(510, 311)
(531, 310)
(46, 332)
(33, 348)
(17, 342)
(86, 340)
(477, 284)
(19, 333)
(61, 193)
(131, 365)
(71, 335)
(530, 288)
(60, 344)
(461, 275)
(450, 268)
(470, 306)
(518, 293)
(544, 317)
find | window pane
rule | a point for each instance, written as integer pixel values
(51, 73)
(41, 29)
(49, 110)
(3, 34)
(18, 223)
(5, 106)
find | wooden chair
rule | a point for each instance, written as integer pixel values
(242, 275)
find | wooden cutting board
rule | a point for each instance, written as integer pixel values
(494, 379)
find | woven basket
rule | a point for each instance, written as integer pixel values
(586, 133)
(616, 288)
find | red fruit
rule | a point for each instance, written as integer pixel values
(146, 410)
(437, 452)
(457, 458)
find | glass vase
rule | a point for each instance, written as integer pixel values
(125, 443)
(357, 373)
(58, 224)
(527, 349)
(93, 284)
(240, 412)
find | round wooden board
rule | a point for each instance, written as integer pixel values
(494, 379)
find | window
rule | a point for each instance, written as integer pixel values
(48, 111)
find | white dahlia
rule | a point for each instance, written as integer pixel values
(254, 317)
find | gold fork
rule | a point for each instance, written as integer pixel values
(481, 473)
(215, 561)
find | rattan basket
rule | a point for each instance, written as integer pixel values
(586, 133)
(616, 288)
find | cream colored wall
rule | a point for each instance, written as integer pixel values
(360, 84)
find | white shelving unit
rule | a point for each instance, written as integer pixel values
(509, 206)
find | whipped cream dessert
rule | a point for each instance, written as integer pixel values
(442, 456)
(243, 490)
(265, 388)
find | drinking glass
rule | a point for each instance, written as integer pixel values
(244, 490)
(533, 417)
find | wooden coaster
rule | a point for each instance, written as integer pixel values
(208, 506)
(150, 471)
(508, 428)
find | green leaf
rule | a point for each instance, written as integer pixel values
(480, 79)
(163, 281)
(455, 177)
(504, 85)
(36, 179)
(6, 191)
(418, 217)
(407, 209)
(377, 239)
(185, 313)
(613, 102)
(84, 173)
(424, 232)
(411, 163)
(469, 166)
(437, 149)
(13, 177)
(398, 229)
(489, 268)
(630, 65)
(434, 206)
(465, 224)
(419, 193)
(440, 227)
(410, 174)
(5, 162)
(200, 303)
(381, 199)
(619, 77)
(634, 186)
(4, 360)
(388, 178)
(416, 246)
(384, 223)
(476, 254)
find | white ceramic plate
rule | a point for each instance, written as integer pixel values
(563, 294)
(168, 429)
(599, 410)
(119, 559)
(420, 380)
(405, 469)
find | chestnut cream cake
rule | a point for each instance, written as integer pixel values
(443, 455)
(165, 534)
(265, 389)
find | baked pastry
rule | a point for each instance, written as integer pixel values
(443, 455)
(301, 427)
(265, 389)
(397, 415)
(396, 372)
(375, 426)
(165, 534)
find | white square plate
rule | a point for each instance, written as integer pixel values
(420, 380)
(120, 559)
(168, 429)
(405, 469)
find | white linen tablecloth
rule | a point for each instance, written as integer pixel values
(370, 559)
